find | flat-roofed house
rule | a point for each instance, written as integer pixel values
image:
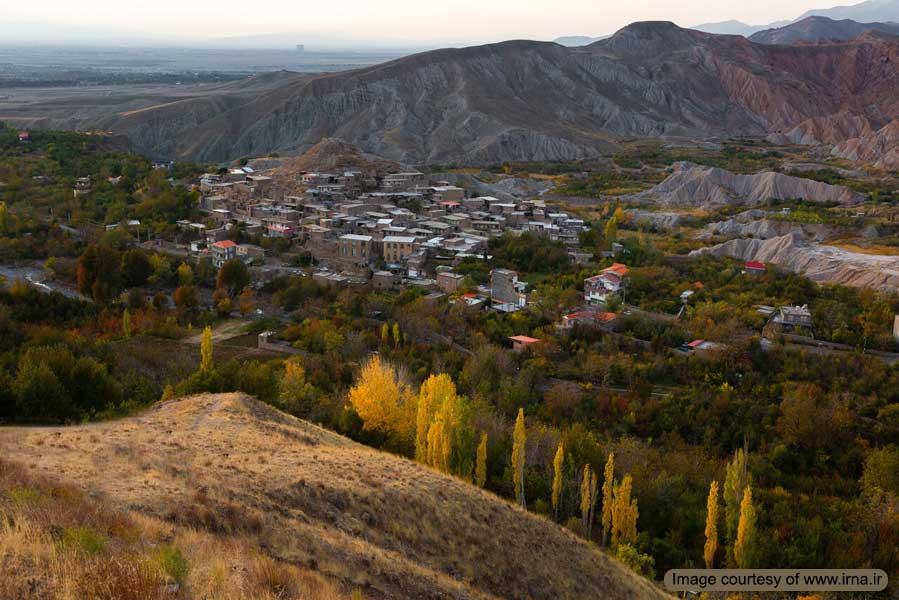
(222, 252)
(398, 248)
(355, 248)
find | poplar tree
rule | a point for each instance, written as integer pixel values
(396, 335)
(734, 484)
(744, 546)
(481, 467)
(711, 527)
(588, 499)
(126, 323)
(206, 350)
(4, 217)
(558, 467)
(385, 334)
(608, 485)
(518, 455)
(624, 513)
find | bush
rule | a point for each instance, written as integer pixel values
(173, 563)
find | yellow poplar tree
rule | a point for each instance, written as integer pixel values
(558, 466)
(711, 526)
(383, 401)
(435, 392)
(396, 335)
(385, 334)
(588, 499)
(126, 323)
(206, 350)
(608, 485)
(735, 483)
(624, 513)
(518, 455)
(744, 546)
(481, 466)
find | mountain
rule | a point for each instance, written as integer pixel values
(706, 187)
(241, 472)
(814, 29)
(731, 28)
(880, 148)
(864, 12)
(516, 100)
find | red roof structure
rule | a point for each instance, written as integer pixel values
(755, 266)
(224, 244)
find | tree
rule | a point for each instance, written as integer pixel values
(608, 484)
(295, 394)
(168, 393)
(519, 438)
(736, 480)
(99, 272)
(624, 513)
(396, 335)
(126, 323)
(611, 231)
(136, 268)
(185, 298)
(385, 334)
(247, 301)
(588, 499)
(558, 467)
(384, 401)
(744, 546)
(4, 218)
(449, 436)
(233, 277)
(185, 274)
(206, 350)
(40, 396)
(481, 466)
(711, 527)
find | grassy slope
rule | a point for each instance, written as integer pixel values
(230, 467)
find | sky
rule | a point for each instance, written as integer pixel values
(378, 22)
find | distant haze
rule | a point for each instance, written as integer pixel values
(359, 24)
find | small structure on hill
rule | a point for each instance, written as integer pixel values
(522, 342)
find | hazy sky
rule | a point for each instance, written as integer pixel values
(397, 21)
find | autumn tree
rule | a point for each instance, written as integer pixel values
(385, 334)
(384, 401)
(624, 513)
(611, 231)
(126, 324)
(588, 499)
(736, 480)
(744, 546)
(711, 527)
(518, 458)
(233, 277)
(608, 484)
(295, 394)
(396, 335)
(558, 467)
(247, 301)
(206, 350)
(449, 435)
(4, 217)
(99, 272)
(185, 274)
(481, 465)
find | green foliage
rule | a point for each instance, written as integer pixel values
(173, 563)
(82, 539)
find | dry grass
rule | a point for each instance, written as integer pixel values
(56, 542)
(263, 505)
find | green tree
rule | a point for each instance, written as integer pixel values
(99, 273)
(736, 480)
(136, 268)
(233, 277)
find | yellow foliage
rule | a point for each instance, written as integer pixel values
(206, 350)
(481, 467)
(711, 526)
(624, 513)
(519, 439)
(608, 484)
(558, 465)
(383, 401)
(588, 499)
(745, 544)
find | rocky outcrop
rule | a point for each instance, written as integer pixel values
(830, 129)
(516, 100)
(662, 221)
(825, 264)
(879, 148)
(763, 229)
(507, 189)
(708, 187)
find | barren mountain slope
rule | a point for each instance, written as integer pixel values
(704, 187)
(814, 29)
(310, 497)
(513, 100)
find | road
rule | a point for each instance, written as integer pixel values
(38, 279)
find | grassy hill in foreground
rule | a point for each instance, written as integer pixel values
(224, 494)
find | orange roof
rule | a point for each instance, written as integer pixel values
(617, 268)
(224, 244)
(603, 317)
(695, 343)
(523, 339)
(698, 285)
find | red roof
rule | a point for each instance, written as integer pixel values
(695, 343)
(602, 317)
(449, 203)
(470, 295)
(523, 339)
(225, 244)
(617, 268)
(755, 265)
(698, 285)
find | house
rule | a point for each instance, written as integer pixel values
(793, 319)
(754, 268)
(507, 293)
(250, 252)
(610, 281)
(698, 346)
(449, 282)
(384, 280)
(222, 252)
(24, 137)
(397, 248)
(589, 318)
(355, 248)
(521, 342)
